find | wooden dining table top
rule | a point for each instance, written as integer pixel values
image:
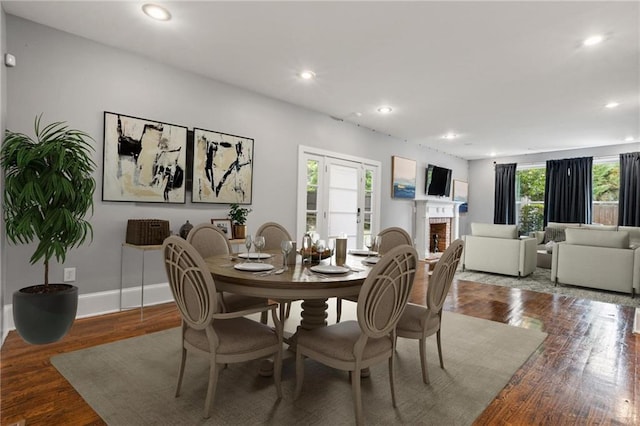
(298, 282)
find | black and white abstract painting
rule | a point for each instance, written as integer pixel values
(222, 168)
(144, 160)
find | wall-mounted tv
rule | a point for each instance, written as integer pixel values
(437, 181)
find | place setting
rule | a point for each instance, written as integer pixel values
(371, 255)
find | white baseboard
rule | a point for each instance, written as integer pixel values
(636, 322)
(104, 302)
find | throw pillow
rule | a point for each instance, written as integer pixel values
(549, 246)
(554, 234)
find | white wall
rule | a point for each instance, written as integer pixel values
(3, 109)
(482, 183)
(73, 79)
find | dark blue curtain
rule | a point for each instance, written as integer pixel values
(568, 195)
(629, 200)
(504, 209)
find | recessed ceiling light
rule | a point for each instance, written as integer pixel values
(307, 75)
(156, 12)
(612, 105)
(450, 136)
(385, 109)
(593, 40)
(493, 154)
(629, 139)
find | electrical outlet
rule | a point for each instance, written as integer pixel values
(69, 274)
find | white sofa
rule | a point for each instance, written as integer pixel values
(602, 259)
(499, 249)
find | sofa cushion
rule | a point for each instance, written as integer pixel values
(562, 225)
(553, 234)
(495, 231)
(634, 234)
(586, 237)
(599, 227)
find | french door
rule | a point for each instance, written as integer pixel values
(337, 194)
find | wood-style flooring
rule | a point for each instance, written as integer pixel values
(586, 372)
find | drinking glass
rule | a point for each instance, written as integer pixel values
(320, 246)
(286, 247)
(247, 243)
(371, 241)
(258, 242)
(331, 245)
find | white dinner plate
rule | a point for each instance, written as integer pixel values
(330, 269)
(253, 267)
(370, 260)
(363, 252)
(254, 255)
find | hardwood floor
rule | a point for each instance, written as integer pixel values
(586, 372)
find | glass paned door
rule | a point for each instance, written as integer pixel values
(343, 208)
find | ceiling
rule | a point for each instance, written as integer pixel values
(509, 78)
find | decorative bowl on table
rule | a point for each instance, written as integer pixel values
(316, 256)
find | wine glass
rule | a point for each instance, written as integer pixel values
(286, 248)
(331, 245)
(371, 242)
(247, 243)
(258, 242)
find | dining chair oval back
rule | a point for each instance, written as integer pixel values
(442, 277)
(222, 338)
(193, 291)
(386, 290)
(418, 321)
(273, 234)
(356, 345)
(208, 240)
(393, 237)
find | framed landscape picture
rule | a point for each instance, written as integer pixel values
(403, 178)
(222, 168)
(144, 160)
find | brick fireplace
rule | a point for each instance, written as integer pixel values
(435, 217)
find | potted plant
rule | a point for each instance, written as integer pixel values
(238, 216)
(48, 190)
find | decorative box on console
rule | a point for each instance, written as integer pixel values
(146, 232)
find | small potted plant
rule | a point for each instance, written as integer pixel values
(238, 216)
(48, 190)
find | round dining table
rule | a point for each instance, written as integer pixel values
(298, 282)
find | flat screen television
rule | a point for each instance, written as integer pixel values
(437, 181)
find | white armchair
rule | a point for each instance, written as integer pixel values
(498, 249)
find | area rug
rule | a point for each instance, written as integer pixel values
(132, 382)
(540, 281)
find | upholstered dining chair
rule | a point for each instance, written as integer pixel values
(418, 321)
(273, 234)
(354, 345)
(391, 237)
(208, 240)
(223, 337)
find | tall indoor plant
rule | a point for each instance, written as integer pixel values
(238, 216)
(48, 190)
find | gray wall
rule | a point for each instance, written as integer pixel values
(73, 79)
(481, 175)
(3, 109)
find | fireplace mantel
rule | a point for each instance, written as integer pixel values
(434, 208)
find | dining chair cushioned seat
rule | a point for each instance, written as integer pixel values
(411, 320)
(255, 336)
(337, 341)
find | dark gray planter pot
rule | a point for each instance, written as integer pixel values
(44, 317)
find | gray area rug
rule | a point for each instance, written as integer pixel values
(540, 281)
(132, 382)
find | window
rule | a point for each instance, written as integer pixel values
(530, 181)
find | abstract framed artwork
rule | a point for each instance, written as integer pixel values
(403, 178)
(224, 225)
(222, 168)
(144, 160)
(461, 194)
